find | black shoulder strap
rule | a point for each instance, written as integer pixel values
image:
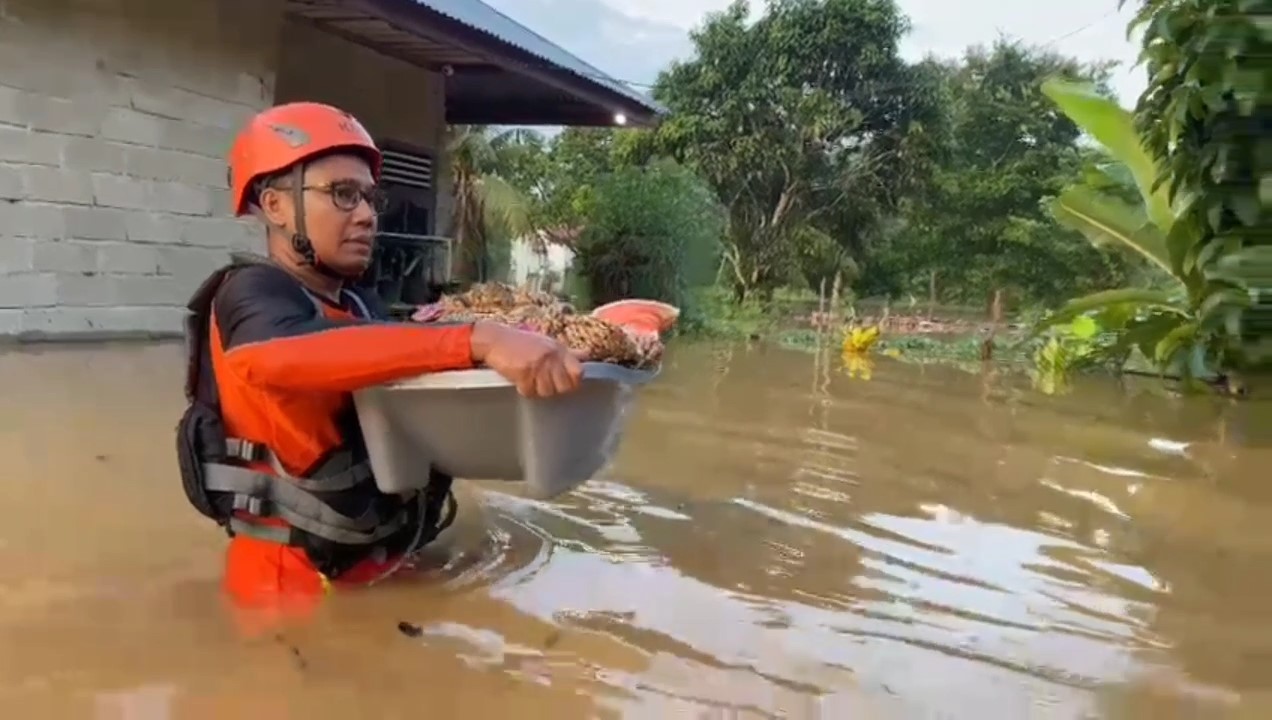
(198, 321)
(360, 304)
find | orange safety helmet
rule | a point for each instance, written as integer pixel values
(281, 136)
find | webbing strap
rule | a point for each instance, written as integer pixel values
(283, 535)
(335, 482)
(312, 526)
(357, 301)
(268, 533)
(343, 480)
(297, 507)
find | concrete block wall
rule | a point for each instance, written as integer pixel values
(115, 117)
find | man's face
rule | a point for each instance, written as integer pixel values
(339, 220)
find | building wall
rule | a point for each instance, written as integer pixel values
(393, 99)
(115, 116)
(528, 263)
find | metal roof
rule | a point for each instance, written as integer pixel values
(480, 16)
(499, 72)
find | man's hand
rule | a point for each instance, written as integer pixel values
(538, 365)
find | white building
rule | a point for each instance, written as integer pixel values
(540, 263)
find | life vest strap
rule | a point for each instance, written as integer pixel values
(266, 495)
(268, 533)
(378, 532)
(249, 451)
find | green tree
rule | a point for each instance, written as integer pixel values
(490, 209)
(1205, 117)
(870, 223)
(577, 158)
(786, 118)
(651, 232)
(979, 229)
(1201, 214)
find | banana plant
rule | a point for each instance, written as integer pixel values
(1184, 327)
(1071, 347)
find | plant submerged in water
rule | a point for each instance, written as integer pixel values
(858, 342)
(1068, 348)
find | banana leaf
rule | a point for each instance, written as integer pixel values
(1114, 128)
(1106, 220)
(1143, 298)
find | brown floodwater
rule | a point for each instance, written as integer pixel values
(776, 539)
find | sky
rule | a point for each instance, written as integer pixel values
(633, 39)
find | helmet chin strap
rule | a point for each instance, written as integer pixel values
(299, 240)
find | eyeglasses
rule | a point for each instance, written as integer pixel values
(346, 194)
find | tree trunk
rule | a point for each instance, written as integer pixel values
(932, 294)
(469, 233)
(835, 291)
(995, 318)
(459, 220)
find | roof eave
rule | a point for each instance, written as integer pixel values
(608, 97)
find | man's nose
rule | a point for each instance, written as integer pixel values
(364, 214)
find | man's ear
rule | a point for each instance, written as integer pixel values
(275, 207)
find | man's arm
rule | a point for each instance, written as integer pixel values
(274, 336)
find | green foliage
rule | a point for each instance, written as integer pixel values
(1114, 128)
(489, 210)
(1109, 221)
(1186, 331)
(807, 151)
(821, 259)
(577, 157)
(713, 313)
(963, 351)
(1204, 117)
(1077, 345)
(978, 225)
(788, 117)
(651, 232)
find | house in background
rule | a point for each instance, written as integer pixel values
(543, 261)
(115, 117)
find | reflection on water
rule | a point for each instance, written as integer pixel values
(780, 537)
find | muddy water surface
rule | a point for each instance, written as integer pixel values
(777, 539)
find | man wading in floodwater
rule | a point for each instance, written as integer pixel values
(270, 445)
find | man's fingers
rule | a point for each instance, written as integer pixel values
(545, 384)
(525, 384)
(574, 366)
(561, 379)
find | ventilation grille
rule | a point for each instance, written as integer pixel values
(407, 169)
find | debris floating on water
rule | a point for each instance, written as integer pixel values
(409, 630)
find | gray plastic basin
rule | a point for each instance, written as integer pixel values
(472, 424)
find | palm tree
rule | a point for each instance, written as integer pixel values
(489, 212)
